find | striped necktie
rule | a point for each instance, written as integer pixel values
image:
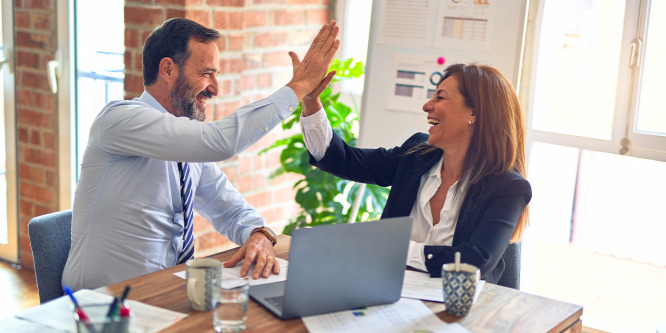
(186, 195)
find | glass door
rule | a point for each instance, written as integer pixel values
(8, 217)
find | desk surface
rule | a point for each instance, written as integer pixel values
(498, 309)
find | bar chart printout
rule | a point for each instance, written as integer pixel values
(465, 24)
(415, 80)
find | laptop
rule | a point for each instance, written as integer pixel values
(340, 267)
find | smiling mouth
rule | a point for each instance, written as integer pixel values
(433, 122)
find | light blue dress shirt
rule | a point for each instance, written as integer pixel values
(128, 215)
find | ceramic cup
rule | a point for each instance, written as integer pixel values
(459, 287)
(202, 275)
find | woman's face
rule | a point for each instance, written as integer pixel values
(448, 117)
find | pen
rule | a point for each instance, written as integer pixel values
(125, 292)
(79, 311)
(112, 308)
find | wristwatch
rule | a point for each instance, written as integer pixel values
(268, 233)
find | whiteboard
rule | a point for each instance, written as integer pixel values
(408, 41)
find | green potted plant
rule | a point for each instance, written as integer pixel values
(324, 198)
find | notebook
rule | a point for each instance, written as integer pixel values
(340, 267)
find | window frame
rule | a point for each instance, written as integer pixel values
(10, 251)
(640, 145)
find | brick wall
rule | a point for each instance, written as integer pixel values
(37, 152)
(256, 36)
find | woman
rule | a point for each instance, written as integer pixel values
(463, 184)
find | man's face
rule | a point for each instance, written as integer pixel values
(196, 82)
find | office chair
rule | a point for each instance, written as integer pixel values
(511, 276)
(50, 240)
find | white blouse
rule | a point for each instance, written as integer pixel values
(317, 136)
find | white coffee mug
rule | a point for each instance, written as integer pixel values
(202, 275)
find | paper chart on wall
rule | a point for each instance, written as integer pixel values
(465, 24)
(405, 22)
(415, 79)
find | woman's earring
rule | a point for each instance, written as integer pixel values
(469, 122)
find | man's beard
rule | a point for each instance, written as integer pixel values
(187, 106)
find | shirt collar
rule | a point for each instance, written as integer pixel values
(147, 98)
(435, 170)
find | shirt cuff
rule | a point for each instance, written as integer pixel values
(415, 256)
(317, 133)
(285, 101)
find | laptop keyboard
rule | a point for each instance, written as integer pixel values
(276, 301)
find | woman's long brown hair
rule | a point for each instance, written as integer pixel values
(498, 143)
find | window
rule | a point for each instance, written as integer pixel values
(356, 29)
(90, 62)
(100, 63)
(8, 194)
(596, 159)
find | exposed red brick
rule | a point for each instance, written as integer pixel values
(224, 87)
(315, 16)
(36, 119)
(180, 2)
(40, 4)
(255, 19)
(287, 17)
(228, 20)
(202, 17)
(248, 81)
(144, 16)
(31, 174)
(270, 2)
(264, 80)
(37, 193)
(235, 42)
(39, 157)
(131, 38)
(51, 179)
(35, 80)
(227, 3)
(46, 101)
(22, 20)
(276, 59)
(32, 40)
(245, 162)
(42, 21)
(134, 83)
(259, 199)
(22, 134)
(303, 2)
(226, 108)
(269, 39)
(35, 138)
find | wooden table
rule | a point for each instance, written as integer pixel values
(498, 309)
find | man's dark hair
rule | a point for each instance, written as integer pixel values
(170, 40)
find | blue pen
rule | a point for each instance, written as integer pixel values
(79, 311)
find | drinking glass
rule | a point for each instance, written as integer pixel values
(231, 297)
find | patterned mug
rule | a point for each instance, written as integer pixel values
(459, 287)
(201, 276)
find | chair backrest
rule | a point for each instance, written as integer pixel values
(511, 276)
(50, 240)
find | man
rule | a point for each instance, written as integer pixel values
(149, 162)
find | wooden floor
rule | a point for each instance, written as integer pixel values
(18, 288)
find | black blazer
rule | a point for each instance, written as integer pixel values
(488, 216)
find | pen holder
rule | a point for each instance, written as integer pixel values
(93, 319)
